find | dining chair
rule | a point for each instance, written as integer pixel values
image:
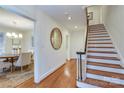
(23, 60)
(5, 65)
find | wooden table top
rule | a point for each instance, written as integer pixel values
(8, 55)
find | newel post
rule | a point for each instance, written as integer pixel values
(81, 66)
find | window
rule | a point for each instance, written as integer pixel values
(1, 42)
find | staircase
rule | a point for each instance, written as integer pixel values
(103, 63)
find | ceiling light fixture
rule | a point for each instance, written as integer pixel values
(66, 13)
(69, 17)
(75, 27)
(14, 22)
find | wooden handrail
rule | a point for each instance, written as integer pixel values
(87, 30)
(87, 22)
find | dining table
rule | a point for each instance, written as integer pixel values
(9, 58)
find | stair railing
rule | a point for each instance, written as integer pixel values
(81, 58)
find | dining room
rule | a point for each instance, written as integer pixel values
(16, 48)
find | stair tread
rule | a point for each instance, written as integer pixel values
(98, 39)
(104, 64)
(103, 57)
(101, 83)
(101, 43)
(97, 31)
(104, 61)
(94, 32)
(109, 52)
(105, 73)
(100, 47)
(97, 36)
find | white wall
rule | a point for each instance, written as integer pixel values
(104, 13)
(46, 58)
(114, 22)
(97, 12)
(77, 42)
(26, 41)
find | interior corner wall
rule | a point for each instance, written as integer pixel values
(97, 13)
(77, 42)
(47, 59)
(114, 22)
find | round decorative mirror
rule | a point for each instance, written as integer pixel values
(56, 38)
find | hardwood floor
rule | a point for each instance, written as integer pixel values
(64, 77)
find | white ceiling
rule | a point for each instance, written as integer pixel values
(60, 13)
(9, 19)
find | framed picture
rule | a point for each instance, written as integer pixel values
(90, 15)
(16, 42)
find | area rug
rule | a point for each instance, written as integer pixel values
(11, 80)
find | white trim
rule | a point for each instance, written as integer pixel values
(90, 38)
(107, 79)
(98, 35)
(102, 49)
(48, 73)
(85, 85)
(102, 54)
(101, 45)
(107, 69)
(104, 61)
(100, 41)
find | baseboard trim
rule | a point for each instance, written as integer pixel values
(114, 43)
(85, 85)
(47, 74)
(73, 59)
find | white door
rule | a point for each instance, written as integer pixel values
(68, 47)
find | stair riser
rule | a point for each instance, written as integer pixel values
(108, 69)
(84, 85)
(104, 57)
(102, 54)
(108, 47)
(93, 37)
(101, 45)
(108, 40)
(98, 35)
(107, 79)
(95, 32)
(96, 29)
(104, 65)
(103, 61)
(99, 41)
(101, 49)
(99, 38)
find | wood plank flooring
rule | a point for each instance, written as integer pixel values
(64, 77)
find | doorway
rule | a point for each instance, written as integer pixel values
(95, 14)
(68, 47)
(18, 32)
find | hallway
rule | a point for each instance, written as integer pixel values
(64, 77)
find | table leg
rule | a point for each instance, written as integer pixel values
(12, 64)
